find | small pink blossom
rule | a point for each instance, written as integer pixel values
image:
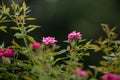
(74, 35)
(110, 76)
(35, 45)
(9, 52)
(1, 53)
(81, 73)
(49, 40)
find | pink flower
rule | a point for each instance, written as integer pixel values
(81, 73)
(49, 40)
(110, 76)
(1, 53)
(9, 52)
(74, 35)
(35, 45)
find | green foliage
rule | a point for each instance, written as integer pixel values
(41, 64)
(110, 47)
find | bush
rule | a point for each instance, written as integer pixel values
(37, 60)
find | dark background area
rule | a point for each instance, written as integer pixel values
(60, 17)
(57, 18)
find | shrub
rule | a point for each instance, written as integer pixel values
(37, 60)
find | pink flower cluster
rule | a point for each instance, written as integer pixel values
(49, 40)
(74, 35)
(7, 53)
(35, 45)
(110, 76)
(81, 73)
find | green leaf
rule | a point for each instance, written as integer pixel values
(27, 77)
(58, 59)
(31, 39)
(30, 19)
(68, 48)
(87, 43)
(117, 41)
(16, 44)
(93, 67)
(66, 41)
(103, 63)
(16, 7)
(19, 35)
(87, 54)
(114, 28)
(32, 27)
(2, 46)
(2, 19)
(81, 40)
(7, 10)
(24, 6)
(15, 28)
(2, 68)
(95, 47)
(3, 28)
(62, 51)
